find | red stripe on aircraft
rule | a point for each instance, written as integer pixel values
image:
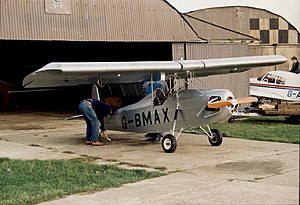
(276, 86)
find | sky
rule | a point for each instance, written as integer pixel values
(288, 9)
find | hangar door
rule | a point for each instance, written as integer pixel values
(19, 58)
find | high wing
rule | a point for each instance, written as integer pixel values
(76, 73)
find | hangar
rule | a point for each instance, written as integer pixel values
(34, 33)
(266, 33)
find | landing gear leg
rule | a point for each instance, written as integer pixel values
(169, 142)
(215, 136)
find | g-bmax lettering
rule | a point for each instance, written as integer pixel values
(146, 118)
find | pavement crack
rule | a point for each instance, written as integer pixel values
(277, 174)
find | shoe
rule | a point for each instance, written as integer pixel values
(151, 139)
(97, 143)
(105, 137)
(159, 135)
(88, 142)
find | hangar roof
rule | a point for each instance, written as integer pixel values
(94, 20)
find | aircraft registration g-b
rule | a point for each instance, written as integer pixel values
(159, 112)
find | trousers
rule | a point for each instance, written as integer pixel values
(92, 123)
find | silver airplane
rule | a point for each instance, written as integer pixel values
(159, 112)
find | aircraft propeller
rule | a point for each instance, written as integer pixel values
(231, 102)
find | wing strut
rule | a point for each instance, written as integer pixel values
(177, 107)
(95, 92)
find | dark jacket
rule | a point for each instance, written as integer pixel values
(101, 109)
(295, 68)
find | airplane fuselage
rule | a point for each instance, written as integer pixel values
(277, 85)
(192, 111)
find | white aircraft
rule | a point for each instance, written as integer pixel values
(280, 85)
(158, 112)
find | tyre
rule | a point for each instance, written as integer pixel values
(231, 120)
(293, 119)
(169, 143)
(216, 138)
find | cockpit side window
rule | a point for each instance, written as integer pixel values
(280, 80)
(269, 78)
(213, 99)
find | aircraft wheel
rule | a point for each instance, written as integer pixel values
(169, 143)
(216, 138)
(231, 120)
(293, 119)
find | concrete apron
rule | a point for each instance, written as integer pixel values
(237, 172)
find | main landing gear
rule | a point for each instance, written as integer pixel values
(169, 142)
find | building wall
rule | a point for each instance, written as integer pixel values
(286, 50)
(217, 33)
(274, 33)
(262, 24)
(93, 20)
(237, 83)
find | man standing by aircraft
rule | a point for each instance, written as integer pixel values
(102, 110)
(295, 67)
(92, 123)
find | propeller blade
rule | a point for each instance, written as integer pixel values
(219, 104)
(245, 100)
(233, 102)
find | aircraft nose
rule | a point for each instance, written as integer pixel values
(231, 103)
(216, 102)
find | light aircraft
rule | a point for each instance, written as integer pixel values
(281, 85)
(158, 111)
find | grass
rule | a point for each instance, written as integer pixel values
(275, 129)
(34, 181)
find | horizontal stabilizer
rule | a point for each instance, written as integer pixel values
(233, 102)
(74, 117)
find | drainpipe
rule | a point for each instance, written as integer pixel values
(275, 52)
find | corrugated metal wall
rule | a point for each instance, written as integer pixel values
(93, 20)
(238, 18)
(237, 83)
(214, 33)
(235, 17)
(286, 50)
(202, 51)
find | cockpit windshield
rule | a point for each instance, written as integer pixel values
(260, 77)
(271, 78)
